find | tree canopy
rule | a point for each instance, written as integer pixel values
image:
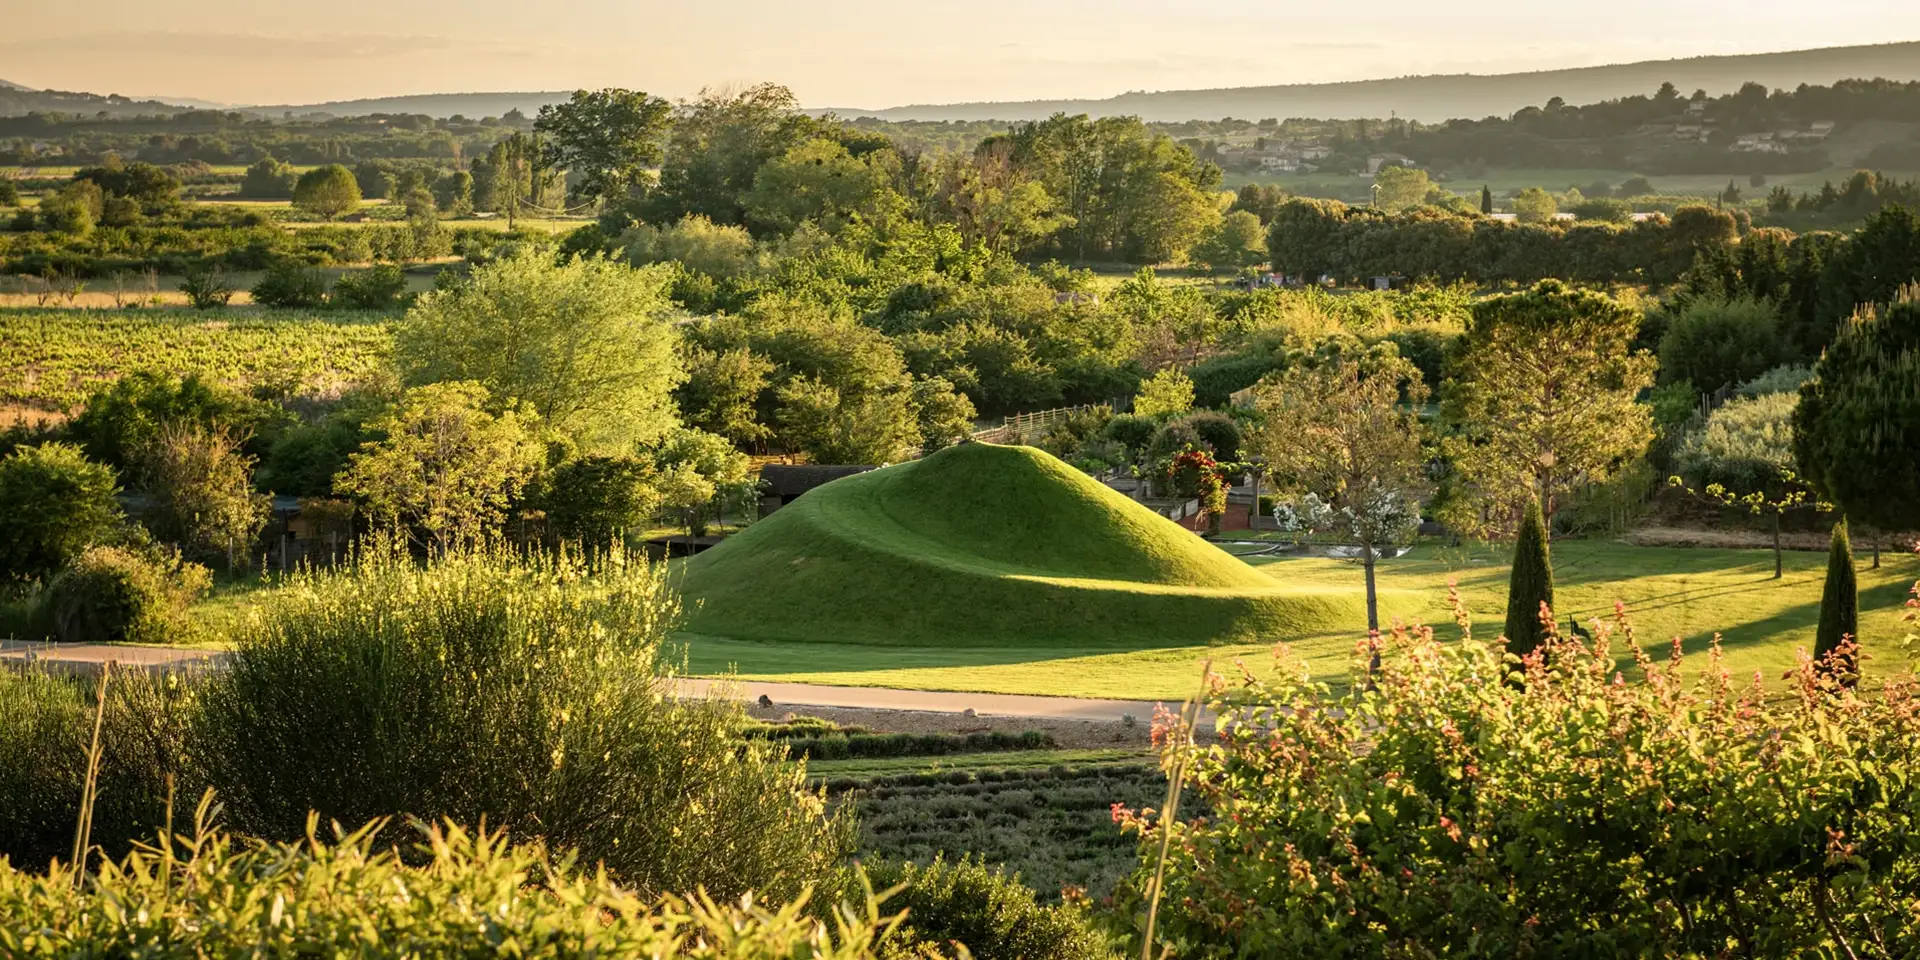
(588, 344)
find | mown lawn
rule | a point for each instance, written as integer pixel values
(1668, 592)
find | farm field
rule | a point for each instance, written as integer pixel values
(1668, 591)
(133, 289)
(51, 359)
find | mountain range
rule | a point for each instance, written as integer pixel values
(1425, 98)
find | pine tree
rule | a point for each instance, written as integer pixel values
(1840, 604)
(1486, 199)
(1529, 585)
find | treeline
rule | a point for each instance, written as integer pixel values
(1314, 238)
(218, 137)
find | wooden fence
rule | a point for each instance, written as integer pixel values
(1023, 425)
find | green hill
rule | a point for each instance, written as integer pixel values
(989, 545)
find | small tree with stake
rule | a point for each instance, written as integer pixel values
(1834, 643)
(1339, 435)
(1795, 497)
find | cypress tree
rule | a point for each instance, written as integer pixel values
(1530, 584)
(1486, 199)
(1840, 604)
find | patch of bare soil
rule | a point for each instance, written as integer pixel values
(1066, 733)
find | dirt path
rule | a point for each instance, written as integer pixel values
(768, 698)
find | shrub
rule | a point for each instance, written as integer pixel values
(1713, 343)
(1167, 393)
(201, 489)
(987, 909)
(1787, 378)
(206, 287)
(1439, 811)
(1743, 445)
(121, 594)
(290, 283)
(54, 503)
(376, 288)
(1216, 430)
(1131, 431)
(453, 893)
(122, 421)
(593, 499)
(43, 743)
(525, 689)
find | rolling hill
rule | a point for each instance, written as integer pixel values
(990, 545)
(1470, 96)
(441, 105)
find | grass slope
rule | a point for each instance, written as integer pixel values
(1688, 593)
(989, 545)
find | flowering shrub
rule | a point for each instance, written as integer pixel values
(1444, 809)
(1194, 472)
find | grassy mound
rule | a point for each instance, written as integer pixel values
(989, 545)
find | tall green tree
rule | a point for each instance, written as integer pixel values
(720, 141)
(1529, 584)
(1543, 401)
(1839, 605)
(1486, 199)
(1852, 432)
(1535, 205)
(1400, 188)
(609, 140)
(588, 344)
(54, 504)
(327, 192)
(443, 466)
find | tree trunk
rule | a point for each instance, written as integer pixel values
(1253, 512)
(1367, 558)
(1776, 546)
(1373, 608)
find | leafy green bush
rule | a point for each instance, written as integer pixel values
(987, 909)
(1743, 445)
(54, 503)
(1714, 343)
(523, 689)
(1787, 378)
(1218, 431)
(378, 287)
(290, 283)
(43, 757)
(454, 893)
(1444, 810)
(117, 594)
(206, 287)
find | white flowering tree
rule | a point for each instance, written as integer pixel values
(1342, 438)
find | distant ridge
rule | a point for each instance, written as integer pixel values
(1470, 96)
(1426, 98)
(441, 105)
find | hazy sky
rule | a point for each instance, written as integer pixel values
(868, 53)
